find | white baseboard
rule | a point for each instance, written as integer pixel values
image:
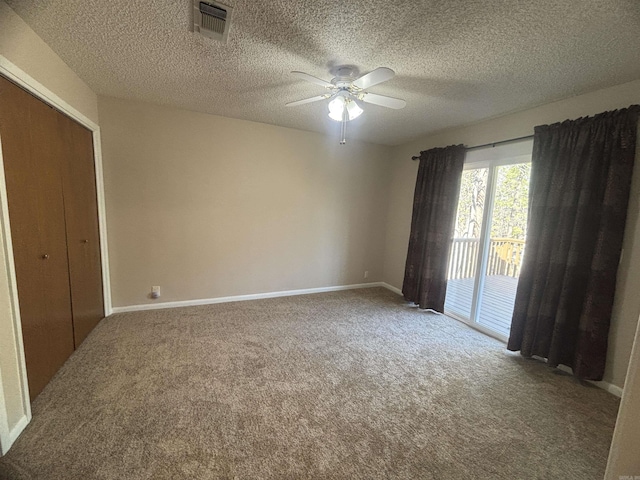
(240, 298)
(613, 389)
(391, 287)
(609, 387)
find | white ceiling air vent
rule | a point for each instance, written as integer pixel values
(211, 19)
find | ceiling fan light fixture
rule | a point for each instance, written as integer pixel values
(338, 105)
(353, 109)
(346, 94)
(336, 108)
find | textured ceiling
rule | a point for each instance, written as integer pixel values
(457, 61)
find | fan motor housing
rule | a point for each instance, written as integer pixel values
(344, 74)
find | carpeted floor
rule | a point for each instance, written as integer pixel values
(345, 385)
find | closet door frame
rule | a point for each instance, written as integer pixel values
(22, 79)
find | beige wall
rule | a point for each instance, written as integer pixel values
(196, 207)
(403, 177)
(22, 47)
(25, 49)
(207, 206)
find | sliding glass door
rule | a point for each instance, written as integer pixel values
(489, 241)
(464, 256)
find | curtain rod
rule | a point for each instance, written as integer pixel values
(492, 144)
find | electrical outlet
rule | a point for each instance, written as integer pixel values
(366, 274)
(155, 292)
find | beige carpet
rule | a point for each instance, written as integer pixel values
(348, 385)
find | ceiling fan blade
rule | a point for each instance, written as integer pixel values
(383, 101)
(307, 100)
(379, 75)
(312, 79)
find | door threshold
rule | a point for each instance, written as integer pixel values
(478, 327)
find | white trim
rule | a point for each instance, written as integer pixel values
(484, 246)
(102, 222)
(391, 287)
(18, 428)
(242, 298)
(5, 435)
(622, 435)
(26, 81)
(609, 387)
(14, 306)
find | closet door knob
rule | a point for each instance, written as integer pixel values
(45, 256)
(85, 241)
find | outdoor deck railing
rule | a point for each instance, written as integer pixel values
(505, 257)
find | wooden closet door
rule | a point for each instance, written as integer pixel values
(32, 151)
(83, 237)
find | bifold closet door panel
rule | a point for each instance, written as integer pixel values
(83, 237)
(32, 151)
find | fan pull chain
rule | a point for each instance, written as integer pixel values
(343, 128)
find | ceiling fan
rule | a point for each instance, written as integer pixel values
(345, 94)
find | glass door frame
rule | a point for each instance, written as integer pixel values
(484, 242)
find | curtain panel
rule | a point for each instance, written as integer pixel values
(434, 207)
(580, 181)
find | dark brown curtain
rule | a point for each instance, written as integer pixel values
(434, 208)
(580, 180)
